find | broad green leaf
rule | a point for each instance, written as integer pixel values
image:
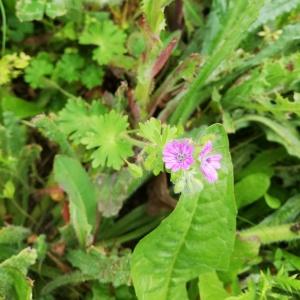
(211, 287)
(73, 178)
(251, 188)
(183, 245)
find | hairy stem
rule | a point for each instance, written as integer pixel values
(273, 234)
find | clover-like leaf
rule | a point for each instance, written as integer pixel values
(92, 76)
(107, 36)
(110, 147)
(158, 135)
(78, 118)
(68, 67)
(39, 67)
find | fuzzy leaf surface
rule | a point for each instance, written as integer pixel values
(184, 244)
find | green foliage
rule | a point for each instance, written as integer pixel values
(39, 67)
(108, 84)
(77, 118)
(105, 268)
(283, 132)
(251, 188)
(67, 68)
(92, 76)
(19, 107)
(13, 234)
(161, 267)
(29, 10)
(108, 141)
(15, 134)
(277, 8)
(51, 130)
(158, 135)
(238, 19)
(103, 33)
(154, 12)
(82, 196)
(13, 283)
(12, 66)
(211, 288)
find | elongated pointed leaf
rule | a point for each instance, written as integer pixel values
(184, 244)
(281, 132)
(239, 17)
(72, 177)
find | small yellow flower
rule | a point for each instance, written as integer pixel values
(269, 35)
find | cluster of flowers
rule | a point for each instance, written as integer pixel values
(179, 155)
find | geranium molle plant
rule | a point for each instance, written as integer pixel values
(178, 155)
(210, 163)
(186, 172)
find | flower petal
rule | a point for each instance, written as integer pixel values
(207, 148)
(209, 172)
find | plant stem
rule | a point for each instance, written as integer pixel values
(135, 142)
(3, 15)
(272, 234)
(56, 86)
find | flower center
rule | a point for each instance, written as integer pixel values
(180, 157)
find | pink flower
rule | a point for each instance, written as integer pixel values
(210, 163)
(178, 154)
